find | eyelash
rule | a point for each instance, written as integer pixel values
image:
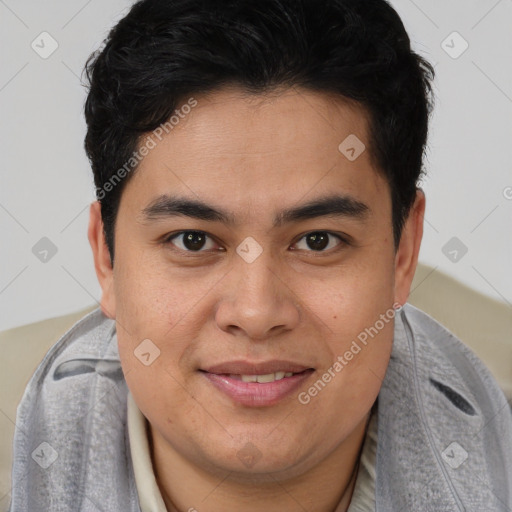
(169, 238)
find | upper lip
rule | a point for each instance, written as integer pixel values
(255, 368)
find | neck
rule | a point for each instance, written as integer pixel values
(326, 487)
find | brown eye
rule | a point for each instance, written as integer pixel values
(318, 241)
(191, 241)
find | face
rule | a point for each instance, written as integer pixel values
(248, 244)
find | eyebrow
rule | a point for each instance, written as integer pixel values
(339, 206)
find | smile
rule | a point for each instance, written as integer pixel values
(257, 389)
(269, 377)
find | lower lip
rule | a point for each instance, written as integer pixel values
(255, 394)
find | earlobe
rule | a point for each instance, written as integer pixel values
(102, 264)
(406, 257)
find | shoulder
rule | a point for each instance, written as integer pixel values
(23, 350)
(444, 424)
(444, 359)
(74, 402)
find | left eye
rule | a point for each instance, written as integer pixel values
(318, 241)
(192, 241)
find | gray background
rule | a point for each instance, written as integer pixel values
(46, 182)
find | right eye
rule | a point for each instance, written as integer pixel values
(190, 241)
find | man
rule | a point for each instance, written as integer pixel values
(255, 236)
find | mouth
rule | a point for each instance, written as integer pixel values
(263, 379)
(257, 384)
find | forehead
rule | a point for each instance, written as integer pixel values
(254, 151)
(292, 120)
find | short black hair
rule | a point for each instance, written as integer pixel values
(164, 51)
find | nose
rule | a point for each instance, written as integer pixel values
(257, 301)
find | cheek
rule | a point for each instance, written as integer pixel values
(153, 374)
(159, 318)
(351, 299)
(345, 389)
(152, 299)
(356, 310)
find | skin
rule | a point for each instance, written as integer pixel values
(252, 156)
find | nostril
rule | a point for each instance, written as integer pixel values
(455, 398)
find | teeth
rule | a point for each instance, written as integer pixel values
(249, 378)
(269, 377)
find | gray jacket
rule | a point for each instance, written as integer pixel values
(444, 427)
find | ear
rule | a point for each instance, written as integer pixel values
(406, 257)
(104, 270)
